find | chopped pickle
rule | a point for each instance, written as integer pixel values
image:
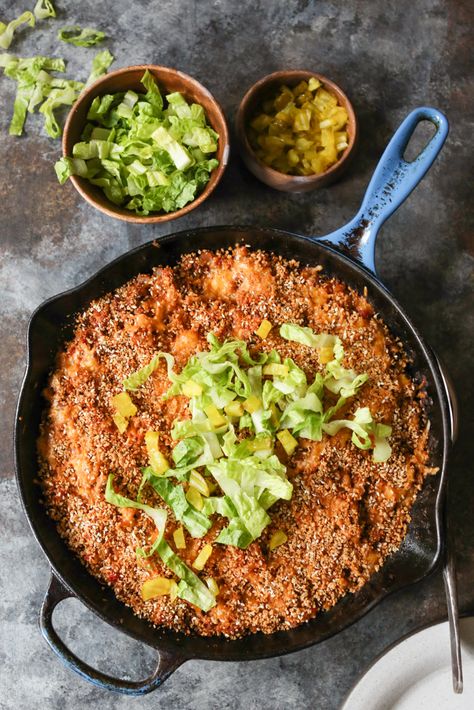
(313, 84)
(325, 355)
(300, 130)
(213, 586)
(277, 539)
(178, 537)
(156, 587)
(261, 444)
(276, 414)
(288, 441)
(234, 409)
(191, 389)
(158, 462)
(293, 157)
(214, 416)
(275, 369)
(264, 328)
(120, 422)
(252, 404)
(212, 487)
(124, 409)
(198, 481)
(194, 497)
(124, 405)
(203, 557)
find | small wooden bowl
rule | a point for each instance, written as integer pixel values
(169, 80)
(254, 99)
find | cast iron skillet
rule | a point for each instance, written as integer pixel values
(347, 254)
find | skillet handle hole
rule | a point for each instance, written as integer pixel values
(419, 139)
(100, 645)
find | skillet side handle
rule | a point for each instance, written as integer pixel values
(167, 663)
(393, 180)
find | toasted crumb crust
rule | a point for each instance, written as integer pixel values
(347, 513)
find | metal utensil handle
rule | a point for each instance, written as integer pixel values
(166, 665)
(393, 180)
(449, 569)
(449, 578)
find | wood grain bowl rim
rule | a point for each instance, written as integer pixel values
(265, 172)
(86, 190)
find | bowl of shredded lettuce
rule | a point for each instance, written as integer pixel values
(144, 144)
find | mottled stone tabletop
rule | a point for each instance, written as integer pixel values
(390, 58)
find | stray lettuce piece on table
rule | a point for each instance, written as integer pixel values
(100, 64)
(44, 9)
(7, 31)
(28, 69)
(35, 84)
(63, 96)
(81, 36)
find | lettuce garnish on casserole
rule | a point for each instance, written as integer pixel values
(242, 409)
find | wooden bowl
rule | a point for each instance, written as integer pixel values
(250, 104)
(169, 80)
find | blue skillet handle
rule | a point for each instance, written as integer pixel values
(166, 665)
(392, 182)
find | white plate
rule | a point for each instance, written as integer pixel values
(416, 674)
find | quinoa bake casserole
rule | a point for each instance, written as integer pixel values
(232, 444)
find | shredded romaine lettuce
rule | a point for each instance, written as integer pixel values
(138, 378)
(196, 522)
(227, 374)
(344, 382)
(36, 85)
(244, 482)
(304, 416)
(190, 587)
(153, 95)
(100, 64)
(44, 9)
(64, 96)
(158, 515)
(187, 451)
(235, 534)
(278, 402)
(366, 433)
(151, 163)
(65, 167)
(7, 31)
(81, 36)
(307, 336)
(223, 382)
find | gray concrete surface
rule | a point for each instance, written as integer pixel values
(390, 57)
